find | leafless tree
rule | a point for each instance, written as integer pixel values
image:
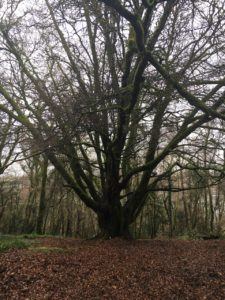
(110, 90)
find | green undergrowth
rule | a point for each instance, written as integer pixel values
(26, 241)
(12, 242)
(47, 249)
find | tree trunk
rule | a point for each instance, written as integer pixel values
(42, 204)
(211, 210)
(183, 198)
(170, 208)
(112, 224)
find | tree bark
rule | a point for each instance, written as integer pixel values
(112, 223)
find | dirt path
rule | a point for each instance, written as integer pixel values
(71, 269)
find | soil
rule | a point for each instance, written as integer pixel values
(64, 268)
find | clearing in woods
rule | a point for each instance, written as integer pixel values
(66, 268)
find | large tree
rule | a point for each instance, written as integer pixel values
(109, 89)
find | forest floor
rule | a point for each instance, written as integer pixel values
(66, 268)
